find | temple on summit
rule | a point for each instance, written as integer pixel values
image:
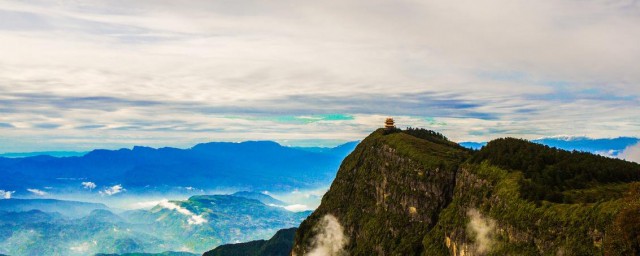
(389, 124)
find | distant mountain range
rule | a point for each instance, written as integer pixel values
(263, 198)
(72, 209)
(194, 225)
(252, 165)
(604, 146)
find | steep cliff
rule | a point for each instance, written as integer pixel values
(415, 193)
(388, 194)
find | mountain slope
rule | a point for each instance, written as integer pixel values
(415, 193)
(278, 245)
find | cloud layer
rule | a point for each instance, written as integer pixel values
(80, 75)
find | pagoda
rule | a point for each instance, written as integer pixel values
(389, 124)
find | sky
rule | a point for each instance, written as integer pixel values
(78, 75)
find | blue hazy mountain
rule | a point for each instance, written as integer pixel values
(255, 165)
(263, 198)
(195, 225)
(608, 146)
(73, 209)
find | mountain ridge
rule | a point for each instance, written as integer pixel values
(401, 194)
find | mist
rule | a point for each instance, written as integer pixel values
(330, 239)
(482, 229)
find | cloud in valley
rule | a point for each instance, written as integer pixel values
(37, 191)
(109, 191)
(193, 218)
(330, 239)
(328, 70)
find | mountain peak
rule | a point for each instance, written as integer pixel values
(379, 186)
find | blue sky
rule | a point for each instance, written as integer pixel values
(77, 75)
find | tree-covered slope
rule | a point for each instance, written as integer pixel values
(415, 193)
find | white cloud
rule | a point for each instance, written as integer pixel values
(37, 191)
(330, 239)
(193, 218)
(112, 190)
(631, 153)
(89, 185)
(4, 194)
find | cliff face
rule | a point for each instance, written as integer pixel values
(387, 194)
(406, 194)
